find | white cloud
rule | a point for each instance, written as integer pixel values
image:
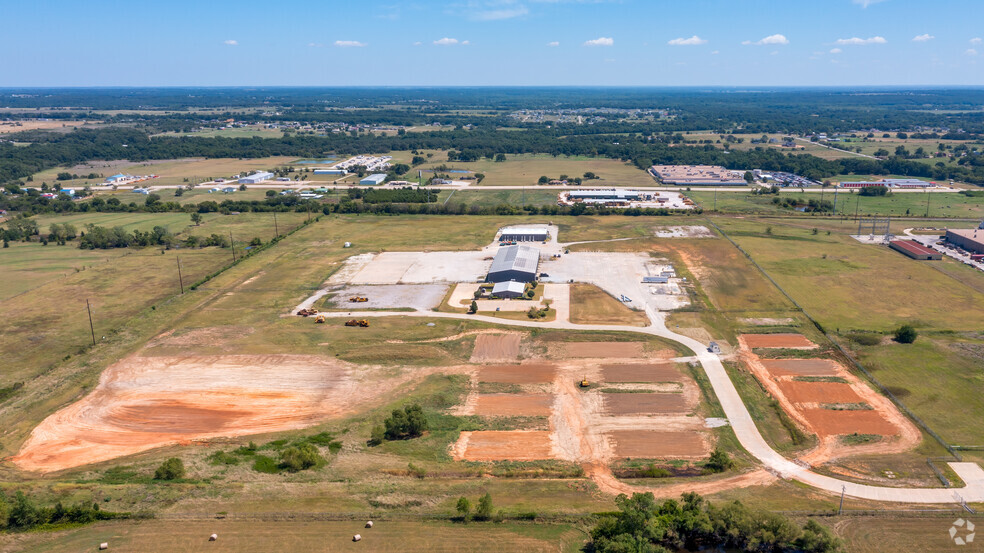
(418, 43)
(601, 41)
(771, 39)
(231, 43)
(866, 3)
(553, 44)
(499, 14)
(315, 45)
(855, 41)
(692, 41)
(716, 52)
(923, 38)
(349, 44)
(976, 40)
(971, 52)
(835, 51)
(449, 41)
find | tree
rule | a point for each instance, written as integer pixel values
(171, 469)
(500, 157)
(589, 175)
(178, 192)
(484, 509)
(719, 461)
(906, 334)
(271, 193)
(473, 308)
(377, 436)
(299, 457)
(543, 180)
(749, 177)
(464, 508)
(405, 424)
(197, 218)
(242, 187)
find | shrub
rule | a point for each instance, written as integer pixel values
(484, 510)
(464, 508)
(171, 469)
(719, 461)
(299, 457)
(414, 470)
(408, 423)
(377, 436)
(906, 334)
(473, 308)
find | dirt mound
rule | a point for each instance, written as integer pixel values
(531, 373)
(515, 445)
(639, 404)
(654, 444)
(602, 350)
(638, 372)
(500, 348)
(819, 392)
(513, 404)
(802, 367)
(787, 341)
(147, 402)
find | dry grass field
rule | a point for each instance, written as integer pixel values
(592, 305)
(526, 169)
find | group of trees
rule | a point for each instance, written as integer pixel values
(96, 237)
(402, 424)
(483, 510)
(693, 524)
(21, 513)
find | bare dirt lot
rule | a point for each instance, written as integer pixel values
(819, 392)
(654, 444)
(421, 297)
(145, 402)
(801, 367)
(420, 267)
(528, 373)
(641, 404)
(513, 405)
(516, 445)
(695, 231)
(601, 350)
(638, 372)
(828, 422)
(491, 348)
(787, 341)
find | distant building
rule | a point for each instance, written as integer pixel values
(509, 289)
(329, 171)
(518, 263)
(971, 240)
(524, 234)
(117, 179)
(373, 179)
(914, 249)
(256, 178)
(229, 189)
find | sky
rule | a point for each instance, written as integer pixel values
(492, 42)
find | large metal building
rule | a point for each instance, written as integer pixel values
(524, 234)
(517, 263)
(971, 240)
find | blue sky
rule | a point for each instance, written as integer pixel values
(492, 42)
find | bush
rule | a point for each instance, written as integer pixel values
(464, 508)
(266, 464)
(719, 461)
(408, 423)
(377, 436)
(299, 457)
(906, 334)
(171, 469)
(484, 510)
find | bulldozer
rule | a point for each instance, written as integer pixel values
(358, 299)
(584, 382)
(357, 322)
(307, 312)
(320, 319)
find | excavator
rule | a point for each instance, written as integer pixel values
(584, 382)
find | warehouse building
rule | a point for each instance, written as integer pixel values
(509, 289)
(515, 263)
(376, 178)
(256, 178)
(524, 234)
(971, 240)
(329, 171)
(915, 250)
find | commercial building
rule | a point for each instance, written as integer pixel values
(509, 289)
(118, 179)
(329, 172)
(889, 183)
(256, 178)
(698, 175)
(971, 240)
(516, 263)
(524, 234)
(915, 250)
(373, 179)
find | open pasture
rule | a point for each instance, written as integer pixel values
(172, 172)
(526, 169)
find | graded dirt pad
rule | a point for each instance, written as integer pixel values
(517, 445)
(532, 373)
(802, 367)
(145, 402)
(602, 350)
(643, 404)
(508, 405)
(638, 372)
(819, 392)
(496, 348)
(655, 444)
(829, 422)
(422, 297)
(777, 341)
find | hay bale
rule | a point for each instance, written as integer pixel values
(369, 524)
(103, 546)
(357, 537)
(213, 537)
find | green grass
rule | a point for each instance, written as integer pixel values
(526, 169)
(898, 204)
(171, 172)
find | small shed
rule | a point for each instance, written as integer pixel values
(713, 347)
(509, 289)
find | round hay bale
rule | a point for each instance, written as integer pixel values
(357, 537)
(103, 546)
(213, 537)
(369, 524)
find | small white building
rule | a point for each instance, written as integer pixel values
(256, 178)
(374, 179)
(509, 289)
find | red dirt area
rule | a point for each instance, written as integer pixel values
(638, 372)
(819, 392)
(496, 348)
(518, 445)
(602, 350)
(654, 444)
(829, 422)
(514, 405)
(788, 341)
(531, 373)
(802, 367)
(142, 403)
(644, 404)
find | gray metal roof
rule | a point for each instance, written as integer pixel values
(516, 258)
(509, 286)
(525, 230)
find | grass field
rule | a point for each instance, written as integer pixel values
(592, 305)
(900, 204)
(526, 169)
(171, 172)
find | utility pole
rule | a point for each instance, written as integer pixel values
(835, 201)
(857, 206)
(232, 244)
(927, 202)
(715, 199)
(180, 280)
(275, 227)
(840, 510)
(92, 331)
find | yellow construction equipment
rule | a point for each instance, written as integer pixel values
(358, 299)
(320, 319)
(584, 382)
(307, 312)
(360, 322)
